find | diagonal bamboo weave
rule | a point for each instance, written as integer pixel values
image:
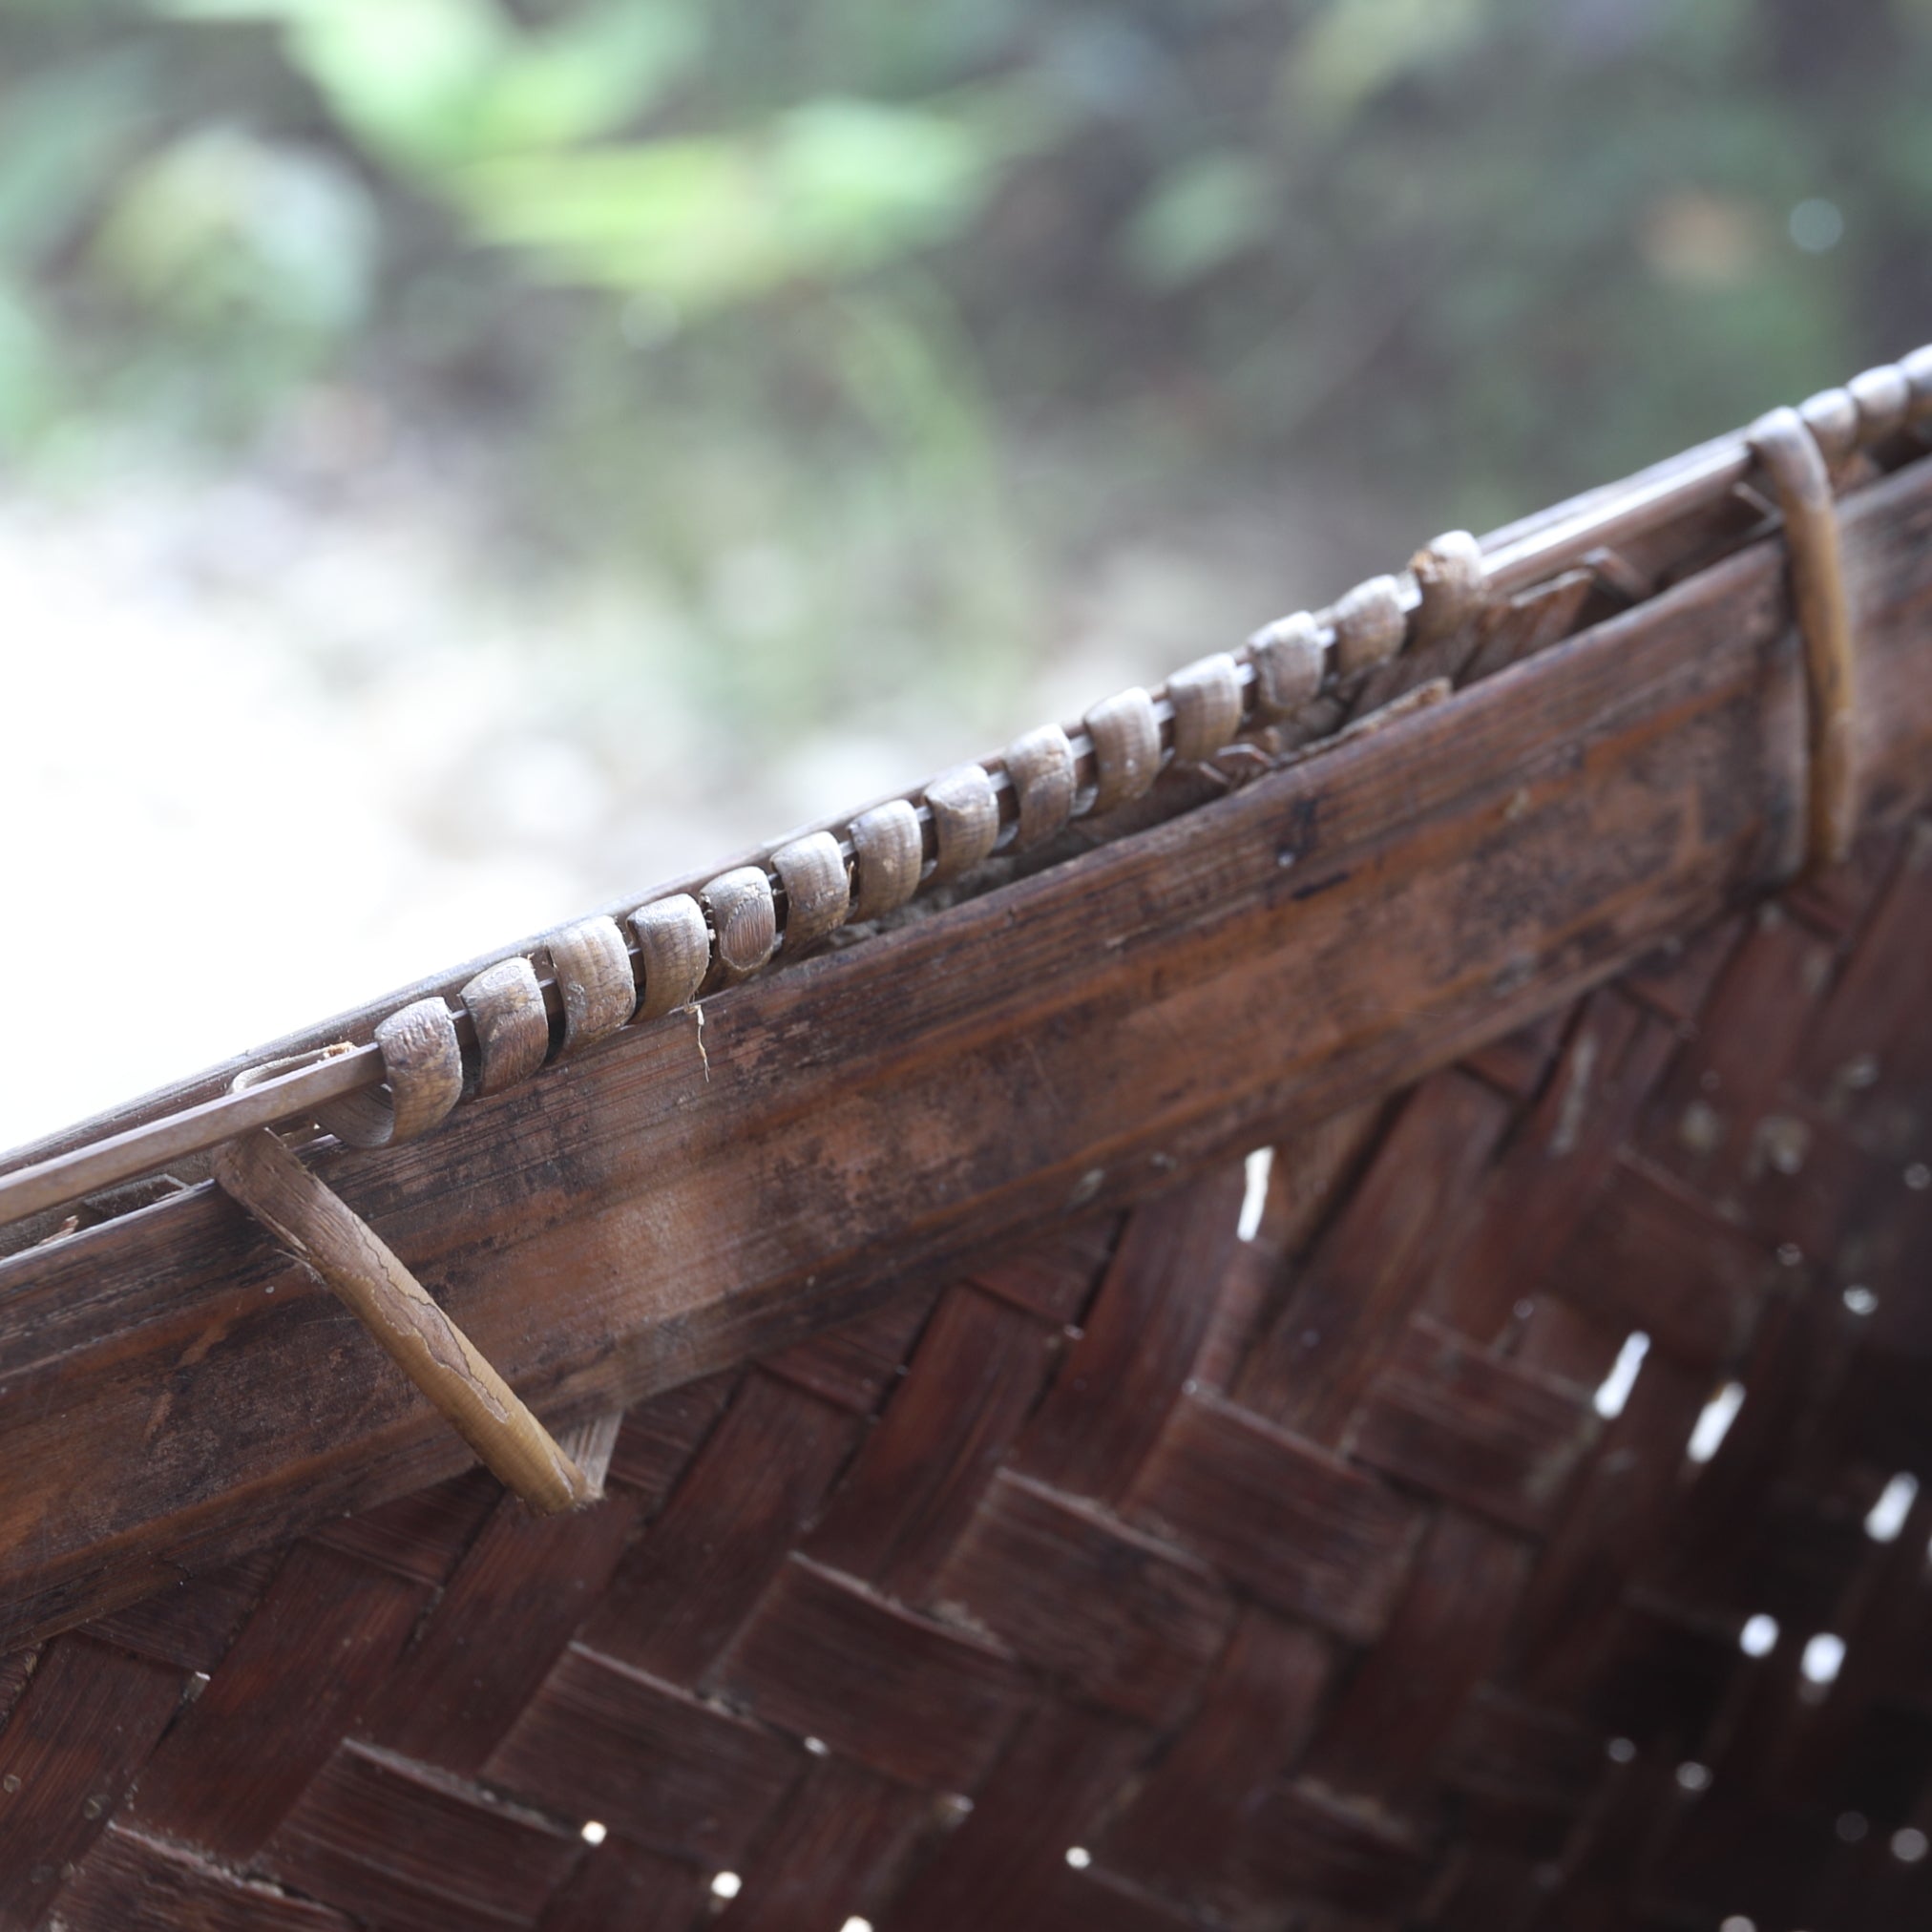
(1157, 1577)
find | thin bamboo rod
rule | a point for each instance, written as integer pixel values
(1647, 501)
(152, 1145)
(314, 1223)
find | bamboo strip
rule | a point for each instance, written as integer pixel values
(1796, 467)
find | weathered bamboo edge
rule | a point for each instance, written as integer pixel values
(1840, 426)
(175, 1395)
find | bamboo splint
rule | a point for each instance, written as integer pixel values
(983, 1496)
(260, 1173)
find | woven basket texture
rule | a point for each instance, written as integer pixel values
(1333, 1578)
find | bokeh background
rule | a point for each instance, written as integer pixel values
(461, 460)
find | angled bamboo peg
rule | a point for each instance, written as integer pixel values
(309, 1219)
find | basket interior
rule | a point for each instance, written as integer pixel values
(1498, 1507)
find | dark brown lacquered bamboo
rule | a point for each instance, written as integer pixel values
(1496, 1500)
(1451, 1523)
(1334, 926)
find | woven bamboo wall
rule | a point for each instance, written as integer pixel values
(1161, 1577)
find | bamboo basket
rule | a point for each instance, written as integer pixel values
(1302, 1306)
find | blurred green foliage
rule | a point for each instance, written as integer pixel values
(827, 278)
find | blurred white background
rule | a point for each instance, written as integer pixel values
(264, 762)
(462, 461)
